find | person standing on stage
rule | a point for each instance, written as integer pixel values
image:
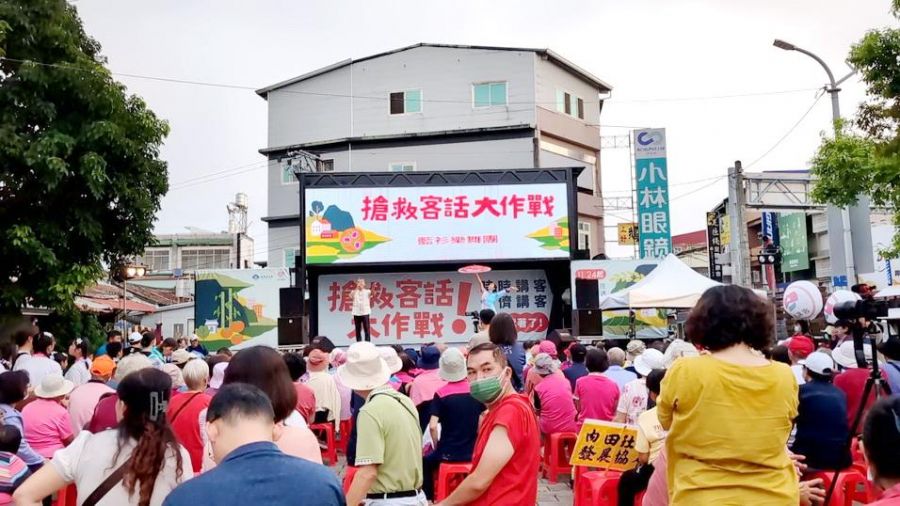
(490, 295)
(362, 308)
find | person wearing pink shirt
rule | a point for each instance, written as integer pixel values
(553, 397)
(426, 384)
(596, 396)
(84, 398)
(48, 426)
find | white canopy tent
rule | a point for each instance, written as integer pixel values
(672, 284)
(888, 292)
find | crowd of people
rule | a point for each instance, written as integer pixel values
(727, 418)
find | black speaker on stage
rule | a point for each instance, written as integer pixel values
(590, 322)
(290, 331)
(289, 300)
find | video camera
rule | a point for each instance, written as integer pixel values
(869, 309)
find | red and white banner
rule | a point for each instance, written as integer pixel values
(421, 307)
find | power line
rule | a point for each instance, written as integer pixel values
(696, 189)
(789, 132)
(387, 98)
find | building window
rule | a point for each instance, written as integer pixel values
(584, 235)
(177, 330)
(290, 257)
(205, 258)
(327, 165)
(156, 260)
(489, 94)
(287, 172)
(402, 166)
(570, 104)
(406, 102)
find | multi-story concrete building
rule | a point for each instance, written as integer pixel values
(435, 107)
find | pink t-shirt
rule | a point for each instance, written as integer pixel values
(657, 493)
(82, 402)
(598, 395)
(557, 407)
(425, 386)
(47, 424)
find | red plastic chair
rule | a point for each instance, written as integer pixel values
(557, 450)
(329, 454)
(348, 478)
(343, 439)
(67, 496)
(450, 475)
(851, 486)
(597, 488)
(639, 499)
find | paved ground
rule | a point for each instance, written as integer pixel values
(556, 494)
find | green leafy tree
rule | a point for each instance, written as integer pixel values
(866, 159)
(80, 173)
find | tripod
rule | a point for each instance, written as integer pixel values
(874, 381)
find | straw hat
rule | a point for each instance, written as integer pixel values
(365, 369)
(390, 358)
(181, 356)
(52, 386)
(545, 365)
(453, 366)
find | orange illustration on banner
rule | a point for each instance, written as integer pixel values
(607, 445)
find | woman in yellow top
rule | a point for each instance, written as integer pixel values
(729, 413)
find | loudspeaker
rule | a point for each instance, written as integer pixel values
(289, 300)
(590, 322)
(291, 331)
(587, 293)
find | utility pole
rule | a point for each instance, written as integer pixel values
(740, 249)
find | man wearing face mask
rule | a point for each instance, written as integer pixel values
(506, 456)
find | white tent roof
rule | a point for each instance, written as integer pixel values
(890, 291)
(672, 284)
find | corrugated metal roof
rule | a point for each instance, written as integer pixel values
(549, 54)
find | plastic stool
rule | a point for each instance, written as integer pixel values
(639, 499)
(67, 496)
(330, 453)
(846, 491)
(450, 475)
(348, 478)
(556, 455)
(598, 488)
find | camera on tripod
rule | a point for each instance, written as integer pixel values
(855, 309)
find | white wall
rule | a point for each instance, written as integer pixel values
(549, 77)
(169, 318)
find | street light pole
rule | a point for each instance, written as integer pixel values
(832, 90)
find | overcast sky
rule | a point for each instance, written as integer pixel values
(666, 60)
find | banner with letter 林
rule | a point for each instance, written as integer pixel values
(651, 176)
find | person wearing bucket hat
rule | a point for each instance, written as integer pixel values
(389, 441)
(852, 381)
(532, 377)
(635, 395)
(822, 430)
(328, 398)
(457, 412)
(632, 350)
(427, 383)
(48, 426)
(553, 397)
(218, 377)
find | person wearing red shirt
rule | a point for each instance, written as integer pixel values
(853, 380)
(187, 411)
(306, 397)
(507, 451)
(881, 444)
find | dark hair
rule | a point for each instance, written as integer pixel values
(654, 380)
(239, 400)
(578, 352)
(881, 437)
(82, 344)
(779, 353)
(7, 350)
(804, 326)
(503, 330)
(169, 342)
(489, 282)
(728, 315)
(23, 333)
(596, 360)
(843, 323)
(145, 394)
(262, 366)
(147, 339)
(406, 362)
(398, 348)
(113, 333)
(486, 315)
(821, 378)
(60, 358)
(224, 351)
(10, 439)
(13, 386)
(113, 349)
(43, 343)
(212, 360)
(495, 350)
(295, 364)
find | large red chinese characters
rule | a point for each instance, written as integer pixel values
(433, 207)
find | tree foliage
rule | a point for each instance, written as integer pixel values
(866, 160)
(80, 173)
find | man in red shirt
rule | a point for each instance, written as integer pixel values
(507, 452)
(853, 380)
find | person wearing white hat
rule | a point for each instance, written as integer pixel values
(852, 381)
(457, 413)
(635, 395)
(389, 441)
(218, 377)
(48, 426)
(822, 430)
